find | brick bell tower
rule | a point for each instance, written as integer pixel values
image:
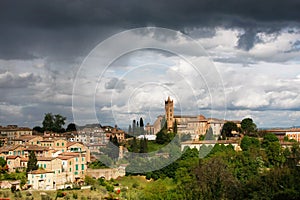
(169, 108)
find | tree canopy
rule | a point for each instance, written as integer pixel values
(249, 142)
(53, 122)
(248, 126)
(227, 129)
(71, 127)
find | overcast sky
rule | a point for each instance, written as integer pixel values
(252, 52)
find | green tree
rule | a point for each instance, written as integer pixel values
(112, 148)
(38, 129)
(175, 129)
(144, 145)
(248, 126)
(249, 142)
(228, 127)
(134, 146)
(212, 179)
(53, 122)
(71, 127)
(48, 123)
(2, 162)
(163, 137)
(268, 138)
(134, 129)
(275, 154)
(141, 122)
(3, 165)
(32, 162)
(59, 121)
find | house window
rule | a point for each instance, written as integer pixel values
(70, 169)
(82, 166)
(76, 167)
(62, 144)
(76, 173)
(42, 176)
(57, 144)
(44, 166)
(76, 159)
(8, 162)
(70, 163)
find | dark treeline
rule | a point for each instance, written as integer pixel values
(262, 170)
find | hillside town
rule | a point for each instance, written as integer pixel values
(63, 159)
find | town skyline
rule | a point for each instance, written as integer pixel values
(255, 54)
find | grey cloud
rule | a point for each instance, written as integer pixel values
(247, 40)
(115, 84)
(10, 80)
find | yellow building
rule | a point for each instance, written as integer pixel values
(41, 179)
(13, 163)
(57, 144)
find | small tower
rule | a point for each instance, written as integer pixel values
(169, 108)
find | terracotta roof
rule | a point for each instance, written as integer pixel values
(24, 159)
(5, 149)
(72, 143)
(69, 154)
(65, 157)
(11, 157)
(27, 137)
(40, 171)
(44, 158)
(36, 148)
(15, 146)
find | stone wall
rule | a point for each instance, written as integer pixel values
(106, 173)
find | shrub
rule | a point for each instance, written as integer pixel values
(109, 188)
(45, 197)
(75, 196)
(60, 193)
(135, 185)
(28, 194)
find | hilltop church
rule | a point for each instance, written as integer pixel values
(193, 125)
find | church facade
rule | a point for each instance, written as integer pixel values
(193, 125)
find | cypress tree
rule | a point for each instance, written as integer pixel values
(32, 162)
(134, 146)
(133, 128)
(175, 126)
(142, 150)
(145, 145)
(141, 122)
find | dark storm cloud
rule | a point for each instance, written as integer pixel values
(247, 40)
(71, 28)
